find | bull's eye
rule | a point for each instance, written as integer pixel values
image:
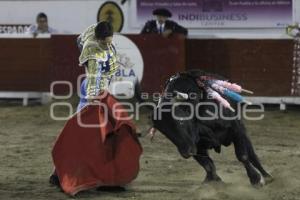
(193, 95)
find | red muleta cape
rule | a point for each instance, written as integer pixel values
(85, 158)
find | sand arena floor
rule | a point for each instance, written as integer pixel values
(27, 134)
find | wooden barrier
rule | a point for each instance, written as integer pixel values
(65, 62)
(162, 58)
(25, 64)
(264, 66)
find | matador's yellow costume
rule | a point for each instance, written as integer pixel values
(100, 64)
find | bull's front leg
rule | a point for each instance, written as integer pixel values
(207, 163)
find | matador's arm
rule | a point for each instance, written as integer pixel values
(91, 75)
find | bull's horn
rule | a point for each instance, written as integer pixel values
(181, 95)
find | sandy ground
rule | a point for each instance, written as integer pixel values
(27, 134)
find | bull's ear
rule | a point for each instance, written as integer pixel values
(181, 96)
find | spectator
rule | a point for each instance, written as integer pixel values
(41, 26)
(162, 25)
(293, 30)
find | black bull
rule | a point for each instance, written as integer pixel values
(194, 137)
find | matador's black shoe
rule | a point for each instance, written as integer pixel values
(54, 180)
(111, 189)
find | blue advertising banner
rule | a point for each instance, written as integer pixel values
(219, 13)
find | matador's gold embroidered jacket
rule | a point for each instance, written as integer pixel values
(101, 64)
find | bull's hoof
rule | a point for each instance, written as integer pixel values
(268, 179)
(209, 180)
(258, 181)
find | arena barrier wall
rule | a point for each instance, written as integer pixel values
(264, 66)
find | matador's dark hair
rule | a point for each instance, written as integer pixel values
(103, 29)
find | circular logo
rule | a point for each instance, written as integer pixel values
(131, 67)
(111, 12)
